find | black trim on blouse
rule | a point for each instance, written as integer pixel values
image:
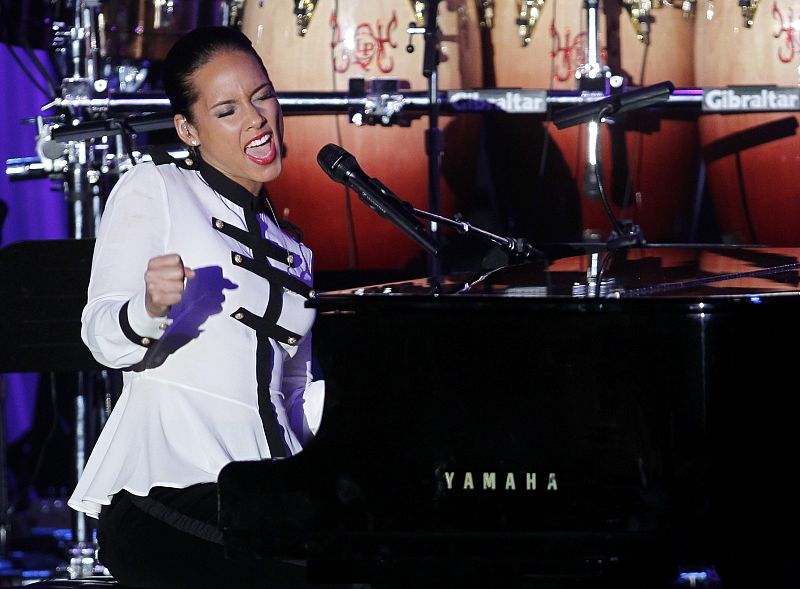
(261, 247)
(231, 190)
(265, 326)
(128, 331)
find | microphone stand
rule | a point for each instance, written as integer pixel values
(433, 135)
(598, 111)
(517, 246)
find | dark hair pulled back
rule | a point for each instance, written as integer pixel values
(191, 52)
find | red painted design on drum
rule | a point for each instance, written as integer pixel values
(568, 54)
(368, 45)
(788, 30)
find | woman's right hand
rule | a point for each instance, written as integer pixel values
(165, 279)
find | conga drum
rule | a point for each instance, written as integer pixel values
(752, 160)
(648, 171)
(363, 39)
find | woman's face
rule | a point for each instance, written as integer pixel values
(237, 119)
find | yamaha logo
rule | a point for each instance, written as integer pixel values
(498, 481)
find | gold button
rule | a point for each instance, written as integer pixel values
(290, 259)
(312, 294)
(237, 258)
(189, 161)
(291, 341)
(145, 341)
(219, 224)
(239, 316)
(163, 327)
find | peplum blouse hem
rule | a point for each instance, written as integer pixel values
(155, 437)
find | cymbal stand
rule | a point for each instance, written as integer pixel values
(434, 144)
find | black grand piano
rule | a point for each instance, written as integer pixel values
(593, 418)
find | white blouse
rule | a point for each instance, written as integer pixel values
(227, 375)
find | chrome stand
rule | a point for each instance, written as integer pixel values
(592, 77)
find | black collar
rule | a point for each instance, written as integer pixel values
(229, 189)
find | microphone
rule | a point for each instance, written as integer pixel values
(615, 104)
(343, 168)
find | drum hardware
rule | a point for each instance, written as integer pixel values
(52, 154)
(748, 11)
(26, 168)
(688, 8)
(119, 102)
(84, 170)
(640, 15)
(304, 11)
(603, 289)
(418, 6)
(233, 13)
(417, 26)
(485, 13)
(383, 103)
(529, 12)
(413, 29)
(126, 77)
(592, 75)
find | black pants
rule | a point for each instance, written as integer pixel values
(170, 540)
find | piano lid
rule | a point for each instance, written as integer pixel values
(724, 272)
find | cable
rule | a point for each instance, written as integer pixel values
(41, 69)
(27, 72)
(600, 188)
(7, 18)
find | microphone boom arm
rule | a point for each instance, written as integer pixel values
(515, 245)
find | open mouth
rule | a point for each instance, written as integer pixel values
(261, 149)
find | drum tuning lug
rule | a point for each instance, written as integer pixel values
(528, 12)
(418, 6)
(232, 13)
(485, 13)
(303, 11)
(748, 11)
(688, 8)
(640, 17)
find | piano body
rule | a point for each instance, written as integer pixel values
(598, 419)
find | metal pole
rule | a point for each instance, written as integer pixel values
(433, 136)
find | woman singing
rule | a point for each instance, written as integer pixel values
(198, 296)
